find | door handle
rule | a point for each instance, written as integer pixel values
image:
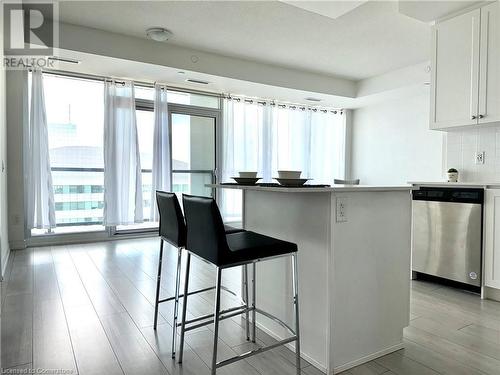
(473, 117)
(482, 116)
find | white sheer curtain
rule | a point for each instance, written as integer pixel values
(40, 195)
(162, 166)
(267, 138)
(246, 146)
(122, 168)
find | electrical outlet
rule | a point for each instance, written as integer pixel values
(480, 156)
(341, 210)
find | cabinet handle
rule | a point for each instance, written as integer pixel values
(473, 117)
(482, 116)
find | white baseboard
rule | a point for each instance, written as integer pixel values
(343, 367)
(17, 245)
(368, 358)
(5, 262)
(491, 293)
(291, 346)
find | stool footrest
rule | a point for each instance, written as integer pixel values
(255, 352)
(224, 314)
(189, 294)
(198, 291)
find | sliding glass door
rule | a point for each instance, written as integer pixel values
(193, 152)
(193, 140)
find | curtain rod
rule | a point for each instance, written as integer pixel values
(272, 102)
(99, 78)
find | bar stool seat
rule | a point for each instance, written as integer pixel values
(208, 239)
(249, 246)
(230, 230)
(172, 229)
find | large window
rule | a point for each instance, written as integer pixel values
(75, 128)
(266, 137)
(75, 112)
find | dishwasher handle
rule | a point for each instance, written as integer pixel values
(457, 195)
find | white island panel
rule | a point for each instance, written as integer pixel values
(353, 275)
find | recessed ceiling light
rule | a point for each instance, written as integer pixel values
(197, 81)
(181, 72)
(159, 34)
(313, 99)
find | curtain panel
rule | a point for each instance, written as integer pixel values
(162, 163)
(123, 201)
(40, 194)
(268, 138)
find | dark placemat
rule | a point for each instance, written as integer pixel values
(273, 184)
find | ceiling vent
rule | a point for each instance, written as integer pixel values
(197, 81)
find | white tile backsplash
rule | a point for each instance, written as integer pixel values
(462, 147)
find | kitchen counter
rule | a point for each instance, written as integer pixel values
(477, 185)
(314, 189)
(354, 266)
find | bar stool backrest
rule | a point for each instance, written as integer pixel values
(346, 182)
(172, 225)
(206, 236)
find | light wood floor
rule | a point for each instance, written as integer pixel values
(89, 309)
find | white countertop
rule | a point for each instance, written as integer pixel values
(479, 185)
(333, 188)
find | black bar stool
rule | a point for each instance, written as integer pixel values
(207, 239)
(172, 229)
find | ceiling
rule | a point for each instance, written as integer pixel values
(139, 71)
(363, 41)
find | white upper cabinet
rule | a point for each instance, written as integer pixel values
(455, 71)
(465, 82)
(489, 71)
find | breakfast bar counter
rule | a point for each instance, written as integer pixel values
(354, 267)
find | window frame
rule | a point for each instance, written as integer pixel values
(111, 232)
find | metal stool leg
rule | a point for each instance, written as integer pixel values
(158, 280)
(216, 320)
(176, 302)
(296, 303)
(247, 315)
(184, 307)
(254, 273)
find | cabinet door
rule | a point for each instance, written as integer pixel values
(455, 71)
(489, 83)
(492, 239)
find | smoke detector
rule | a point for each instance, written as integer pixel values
(158, 34)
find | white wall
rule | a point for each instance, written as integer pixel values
(16, 116)
(392, 143)
(4, 242)
(461, 149)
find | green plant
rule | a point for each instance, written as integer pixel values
(452, 170)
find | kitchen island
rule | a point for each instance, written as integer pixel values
(354, 267)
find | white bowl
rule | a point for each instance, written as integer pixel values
(289, 174)
(248, 174)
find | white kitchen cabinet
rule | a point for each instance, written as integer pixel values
(465, 81)
(489, 71)
(455, 71)
(492, 239)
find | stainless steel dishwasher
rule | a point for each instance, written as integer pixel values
(447, 233)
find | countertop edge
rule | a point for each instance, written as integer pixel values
(485, 185)
(335, 188)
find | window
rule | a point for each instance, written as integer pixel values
(75, 113)
(267, 138)
(179, 97)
